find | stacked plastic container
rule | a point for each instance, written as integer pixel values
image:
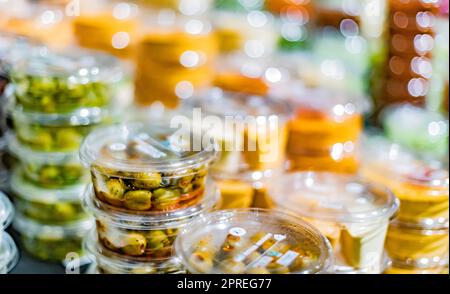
(58, 98)
(417, 240)
(147, 185)
(9, 254)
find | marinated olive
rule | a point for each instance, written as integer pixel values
(147, 180)
(115, 192)
(135, 245)
(165, 198)
(138, 200)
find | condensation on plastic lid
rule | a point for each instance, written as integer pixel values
(9, 254)
(6, 211)
(333, 197)
(139, 147)
(252, 228)
(31, 228)
(151, 220)
(28, 191)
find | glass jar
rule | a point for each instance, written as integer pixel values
(422, 188)
(108, 262)
(252, 241)
(146, 167)
(324, 134)
(51, 242)
(63, 81)
(47, 169)
(56, 132)
(9, 254)
(352, 214)
(50, 206)
(144, 235)
(6, 214)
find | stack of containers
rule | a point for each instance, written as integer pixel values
(9, 255)
(250, 131)
(410, 47)
(417, 240)
(325, 131)
(351, 213)
(147, 184)
(58, 98)
(175, 56)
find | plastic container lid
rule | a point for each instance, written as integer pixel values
(28, 191)
(78, 66)
(210, 231)
(9, 255)
(150, 220)
(138, 147)
(27, 154)
(333, 197)
(31, 228)
(6, 211)
(223, 103)
(123, 264)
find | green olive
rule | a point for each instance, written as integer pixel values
(115, 192)
(138, 200)
(157, 240)
(135, 245)
(42, 140)
(147, 180)
(49, 174)
(64, 211)
(68, 139)
(184, 182)
(165, 198)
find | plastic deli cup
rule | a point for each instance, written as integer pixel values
(417, 247)
(147, 235)
(48, 169)
(109, 262)
(51, 206)
(51, 242)
(9, 255)
(55, 82)
(353, 215)
(325, 131)
(252, 241)
(56, 132)
(423, 188)
(6, 213)
(138, 167)
(251, 129)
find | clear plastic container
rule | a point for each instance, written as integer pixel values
(60, 82)
(51, 242)
(252, 241)
(325, 131)
(352, 214)
(6, 213)
(109, 262)
(48, 170)
(9, 254)
(50, 206)
(145, 167)
(56, 132)
(417, 247)
(250, 130)
(145, 235)
(422, 188)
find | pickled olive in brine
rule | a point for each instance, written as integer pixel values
(138, 200)
(165, 198)
(135, 244)
(147, 180)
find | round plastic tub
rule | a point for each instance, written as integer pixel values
(48, 169)
(398, 268)
(325, 132)
(56, 132)
(417, 247)
(53, 206)
(109, 262)
(352, 214)
(149, 235)
(6, 213)
(252, 241)
(9, 255)
(139, 167)
(51, 242)
(250, 130)
(422, 188)
(63, 81)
